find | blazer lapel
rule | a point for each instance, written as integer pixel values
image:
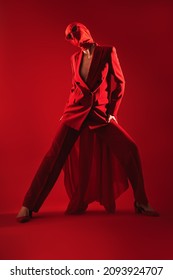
(94, 64)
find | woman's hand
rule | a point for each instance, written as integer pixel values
(110, 117)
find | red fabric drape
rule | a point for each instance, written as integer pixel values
(93, 173)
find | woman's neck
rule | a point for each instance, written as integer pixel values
(88, 51)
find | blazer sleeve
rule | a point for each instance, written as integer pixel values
(117, 84)
(72, 60)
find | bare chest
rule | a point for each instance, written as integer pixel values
(85, 67)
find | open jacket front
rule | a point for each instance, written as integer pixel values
(100, 94)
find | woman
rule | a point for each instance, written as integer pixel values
(98, 156)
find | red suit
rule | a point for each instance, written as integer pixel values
(98, 157)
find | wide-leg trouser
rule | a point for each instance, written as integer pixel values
(126, 150)
(50, 167)
(112, 134)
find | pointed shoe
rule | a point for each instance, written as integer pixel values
(24, 219)
(139, 209)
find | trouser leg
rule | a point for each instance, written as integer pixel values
(125, 149)
(50, 167)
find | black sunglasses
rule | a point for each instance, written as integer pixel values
(73, 30)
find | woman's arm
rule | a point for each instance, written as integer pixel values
(117, 84)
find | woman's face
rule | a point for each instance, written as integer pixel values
(78, 35)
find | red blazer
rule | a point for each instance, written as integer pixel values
(100, 95)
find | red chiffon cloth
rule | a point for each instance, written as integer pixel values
(93, 173)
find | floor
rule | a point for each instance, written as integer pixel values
(94, 235)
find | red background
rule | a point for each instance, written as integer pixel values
(35, 78)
